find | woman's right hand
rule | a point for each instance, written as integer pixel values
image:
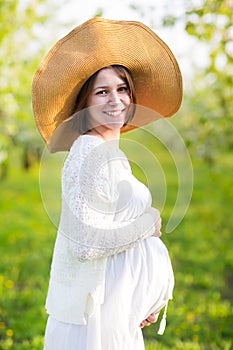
(158, 226)
(155, 213)
(150, 319)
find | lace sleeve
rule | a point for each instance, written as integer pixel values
(90, 198)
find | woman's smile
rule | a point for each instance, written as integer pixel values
(114, 113)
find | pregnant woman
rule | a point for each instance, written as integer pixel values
(111, 274)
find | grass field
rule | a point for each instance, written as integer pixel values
(201, 315)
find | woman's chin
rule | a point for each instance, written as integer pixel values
(115, 126)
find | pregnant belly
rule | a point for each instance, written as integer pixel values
(138, 281)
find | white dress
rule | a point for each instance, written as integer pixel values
(138, 281)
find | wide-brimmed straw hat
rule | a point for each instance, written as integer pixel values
(89, 47)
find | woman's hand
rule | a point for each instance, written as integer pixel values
(158, 221)
(158, 226)
(150, 319)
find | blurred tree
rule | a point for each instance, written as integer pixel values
(209, 104)
(22, 30)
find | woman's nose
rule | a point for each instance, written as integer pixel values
(114, 97)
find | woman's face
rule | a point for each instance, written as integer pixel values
(108, 101)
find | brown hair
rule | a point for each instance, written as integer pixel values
(81, 102)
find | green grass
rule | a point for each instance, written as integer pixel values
(26, 241)
(201, 315)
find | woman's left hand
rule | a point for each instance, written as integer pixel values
(150, 319)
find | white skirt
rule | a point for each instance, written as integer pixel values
(139, 281)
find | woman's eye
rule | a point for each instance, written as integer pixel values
(123, 89)
(102, 92)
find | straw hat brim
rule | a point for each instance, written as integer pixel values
(91, 46)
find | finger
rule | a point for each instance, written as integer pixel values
(158, 233)
(153, 317)
(144, 323)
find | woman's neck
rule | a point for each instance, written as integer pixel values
(106, 135)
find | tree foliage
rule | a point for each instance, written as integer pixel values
(209, 105)
(21, 25)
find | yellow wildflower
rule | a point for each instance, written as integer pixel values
(2, 325)
(9, 284)
(9, 332)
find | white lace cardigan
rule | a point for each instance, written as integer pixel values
(103, 213)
